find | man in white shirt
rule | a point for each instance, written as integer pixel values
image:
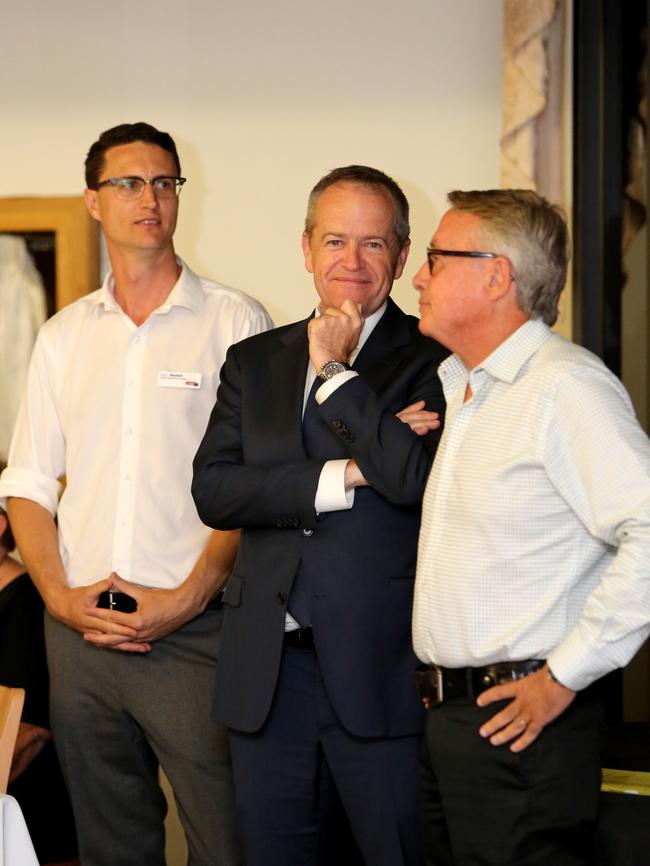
(534, 552)
(119, 391)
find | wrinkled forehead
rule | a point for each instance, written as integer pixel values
(369, 209)
(457, 230)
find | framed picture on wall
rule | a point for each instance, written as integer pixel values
(64, 242)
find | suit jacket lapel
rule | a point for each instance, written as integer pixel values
(378, 358)
(288, 369)
(288, 366)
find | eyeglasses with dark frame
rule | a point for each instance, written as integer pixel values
(129, 188)
(432, 252)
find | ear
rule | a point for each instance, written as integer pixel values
(401, 259)
(90, 197)
(306, 251)
(501, 280)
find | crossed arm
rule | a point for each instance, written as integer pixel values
(250, 469)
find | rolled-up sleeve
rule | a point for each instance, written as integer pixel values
(37, 453)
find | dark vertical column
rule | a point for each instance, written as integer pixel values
(647, 177)
(598, 177)
(598, 139)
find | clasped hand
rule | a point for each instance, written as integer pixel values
(160, 612)
(335, 333)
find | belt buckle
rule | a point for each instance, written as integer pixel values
(429, 684)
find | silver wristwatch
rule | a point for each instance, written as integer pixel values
(331, 369)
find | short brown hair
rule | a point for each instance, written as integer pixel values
(125, 133)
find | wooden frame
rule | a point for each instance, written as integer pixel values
(76, 234)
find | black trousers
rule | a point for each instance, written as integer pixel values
(483, 805)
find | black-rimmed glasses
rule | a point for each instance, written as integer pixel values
(432, 252)
(130, 188)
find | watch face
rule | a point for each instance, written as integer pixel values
(332, 368)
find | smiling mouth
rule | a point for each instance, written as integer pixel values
(147, 222)
(352, 281)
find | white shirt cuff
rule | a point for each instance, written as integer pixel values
(331, 494)
(332, 384)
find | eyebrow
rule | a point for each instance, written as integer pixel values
(364, 238)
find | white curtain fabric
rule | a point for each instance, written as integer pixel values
(22, 312)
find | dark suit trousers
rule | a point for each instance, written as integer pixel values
(483, 805)
(286, 776)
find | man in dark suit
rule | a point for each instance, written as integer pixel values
(315, 673)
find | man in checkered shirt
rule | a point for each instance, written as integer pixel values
(533, 576)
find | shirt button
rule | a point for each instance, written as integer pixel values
(307, 532)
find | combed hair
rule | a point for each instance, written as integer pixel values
(532, 233)
(125, 133)
(364, 176)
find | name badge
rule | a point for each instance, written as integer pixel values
(174, 379)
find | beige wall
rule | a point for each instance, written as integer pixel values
(263, 98)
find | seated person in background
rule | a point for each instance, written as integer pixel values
(35, 780)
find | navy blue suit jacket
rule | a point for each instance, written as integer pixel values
(251, 471)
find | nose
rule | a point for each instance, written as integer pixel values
(421, 279)
(148, 197)
(352, 257)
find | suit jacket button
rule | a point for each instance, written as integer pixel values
(281, 597)
(307, 532)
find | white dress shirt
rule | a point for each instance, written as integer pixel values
(535, 535)
(120, 411)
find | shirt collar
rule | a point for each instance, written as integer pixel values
(186, 292)
(507, 360)
(504, 363)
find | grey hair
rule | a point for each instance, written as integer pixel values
(532, 233)
(363, 175)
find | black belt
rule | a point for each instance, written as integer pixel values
(300, 638)
(443, 684)
(215, 603)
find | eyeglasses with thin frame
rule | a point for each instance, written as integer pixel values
(130, 188)
(432, 252)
